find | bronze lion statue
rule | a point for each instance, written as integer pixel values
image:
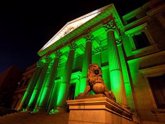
(96, 83)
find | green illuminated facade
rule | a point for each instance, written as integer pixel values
(129, 53)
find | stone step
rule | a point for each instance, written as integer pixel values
(35, 118)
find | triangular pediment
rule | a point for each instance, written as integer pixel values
(72, 25)
(80, 26)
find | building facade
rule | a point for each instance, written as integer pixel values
(130, 52)
(8, 83)
(21, 86)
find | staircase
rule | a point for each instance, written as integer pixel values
(34, 118)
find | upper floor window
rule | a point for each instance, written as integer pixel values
(140, 37)
(157, 85)
(140, 40)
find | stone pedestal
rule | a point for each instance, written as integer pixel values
(98, 110)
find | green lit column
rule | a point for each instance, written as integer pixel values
(38, 86)
(48, 82)
(116, 77)
(26, 97)
(127, 81)
(87, 59)
(50, 98)
(67, 74)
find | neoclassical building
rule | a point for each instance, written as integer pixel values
(129, 50)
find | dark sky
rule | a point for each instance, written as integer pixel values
(26, 26)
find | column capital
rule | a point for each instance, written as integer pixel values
(89, 37)
(58, 53)
(97, 50)
(48, 59)
(110, 26)
(40, 62)
(119, 42)
(72, 46)
(44, 60)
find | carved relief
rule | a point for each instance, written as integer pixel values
(110, 25)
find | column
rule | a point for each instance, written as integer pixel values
(48, 83)
(87, 59)
(30, 87)
(50, 99)
(67, 73)
(116, 77)
(126, 76)
(38, 86)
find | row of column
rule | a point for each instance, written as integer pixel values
(34, 92)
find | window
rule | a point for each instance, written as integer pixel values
(157, 85)
(140, 40)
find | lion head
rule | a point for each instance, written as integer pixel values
(94, 78)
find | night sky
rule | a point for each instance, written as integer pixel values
(26, 26)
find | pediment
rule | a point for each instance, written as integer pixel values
(77, 26)
(72, 25)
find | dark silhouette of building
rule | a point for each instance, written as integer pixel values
(22, 85)
(8, 83)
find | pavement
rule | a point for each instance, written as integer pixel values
(34, 118)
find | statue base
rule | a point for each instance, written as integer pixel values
(98, 110)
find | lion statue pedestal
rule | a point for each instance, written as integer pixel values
(99, 108)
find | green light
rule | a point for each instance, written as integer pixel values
(38, 86)
(61, 93)
(82, 85)
(126, 78)
(43, 90)
(117, 36)
(105, 75)
(52, 56)
(35, 110)
(23, 98)
(31, 85)
(87, 59)
(24, 110)
(43, 60)
(32, 98)
(42, 97)
(97, 59)
(100, 32)
(116, 80)
(113, 74)
(53, 111)
(134, 67)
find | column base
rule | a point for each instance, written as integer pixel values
(53, 111)
(57, 110)
(35, 110)
(101, 110)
